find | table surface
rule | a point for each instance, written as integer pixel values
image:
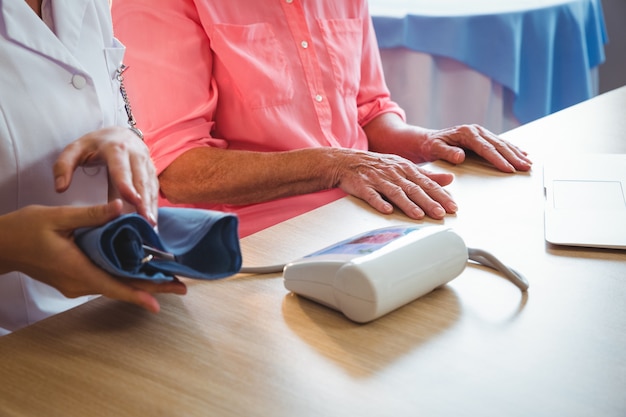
(542, 51)
(244, 346)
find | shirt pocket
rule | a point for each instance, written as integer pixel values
(254, 62)
(344, 42)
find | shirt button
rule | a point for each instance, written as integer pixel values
(289, 1)
(304, 44)
(78, 81)
(319, 98)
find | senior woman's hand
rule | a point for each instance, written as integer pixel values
(448, 144)
(388, 133)
(127, 158)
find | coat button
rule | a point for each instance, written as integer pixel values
(78, 81)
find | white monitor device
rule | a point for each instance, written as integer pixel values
(372, 274)
(585, 200)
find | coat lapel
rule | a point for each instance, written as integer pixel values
(68, 18)
(23, 26)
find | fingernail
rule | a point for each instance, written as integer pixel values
(418, 213)
(59, 182)
(439, 212)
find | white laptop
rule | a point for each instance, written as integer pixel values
(586, 200)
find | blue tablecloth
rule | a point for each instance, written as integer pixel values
(543, 55)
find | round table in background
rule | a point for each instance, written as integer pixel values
(499, 64)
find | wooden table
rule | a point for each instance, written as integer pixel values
(244, 346)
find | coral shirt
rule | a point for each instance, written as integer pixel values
(253, 75)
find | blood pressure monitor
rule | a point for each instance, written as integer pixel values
(376, 272)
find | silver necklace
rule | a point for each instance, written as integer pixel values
(129, 112)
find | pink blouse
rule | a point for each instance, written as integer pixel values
(269, 75)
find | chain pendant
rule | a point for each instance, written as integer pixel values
(129, 112)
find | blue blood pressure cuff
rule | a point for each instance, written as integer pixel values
(193, 243)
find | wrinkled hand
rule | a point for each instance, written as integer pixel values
(128, 161)
(446, 144)
(42, 246)
(379, 179)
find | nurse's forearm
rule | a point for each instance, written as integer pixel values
(212, 175)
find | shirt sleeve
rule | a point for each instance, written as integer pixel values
(167, 51)
(373, 98)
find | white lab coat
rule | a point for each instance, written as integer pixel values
(53, 89)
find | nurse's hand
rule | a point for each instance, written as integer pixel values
(131, 171)
(38, 241)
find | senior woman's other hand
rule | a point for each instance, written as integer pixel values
(448, 144)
